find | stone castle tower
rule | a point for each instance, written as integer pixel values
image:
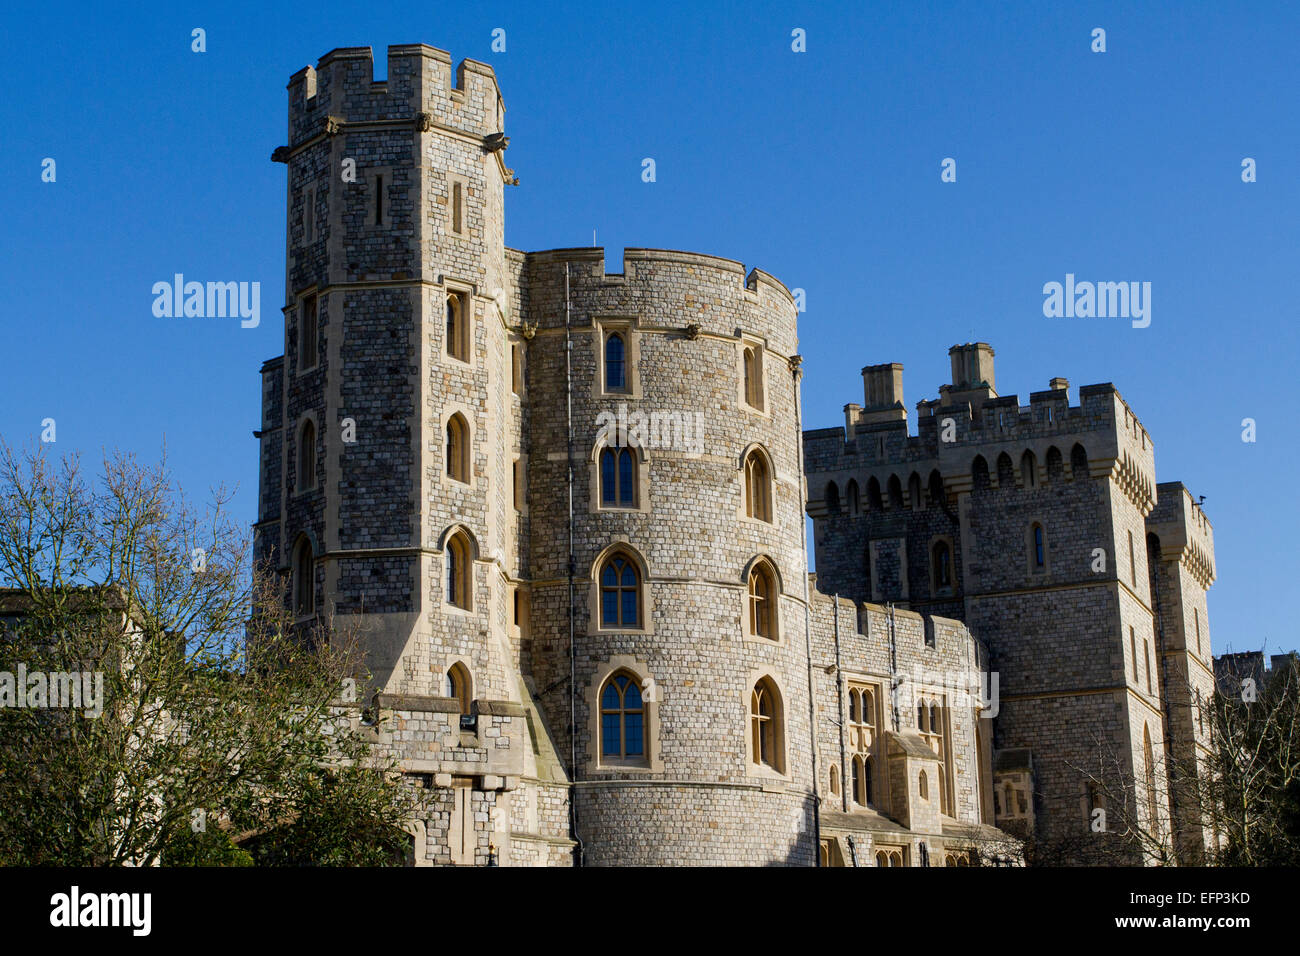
(564, 508)
(1043, 529)
(434, 472)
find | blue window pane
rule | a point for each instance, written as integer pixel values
(609, 608)
(632, 697)
(635, 744)
(610, 699)
(607, 477)
(629, 577)
(608, 577)
(625, 477)
(620, 682)
(629, 608)
(614, 362)
(609, 735)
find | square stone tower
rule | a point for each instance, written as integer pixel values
(1030, 524)
(1180, 544)
(395, 304)
(391, 427)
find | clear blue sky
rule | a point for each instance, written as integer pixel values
(822, 168)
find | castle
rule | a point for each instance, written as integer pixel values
(1043, 529)
(600, 644)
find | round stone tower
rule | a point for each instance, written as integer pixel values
(663, 442)
(562, 508)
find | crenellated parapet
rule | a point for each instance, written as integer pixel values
(711, 292)
(420, 88)
(969, 425)
(1184, 531)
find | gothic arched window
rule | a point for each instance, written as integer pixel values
(1055, 467)
(758, 486)
(936, 488)
(620, 592)
(457, 685)
(458, 448)
(1028, 470)
(762, 601)
(618, 478)
(895, 492)
(1005, 473)
(765, 725)
(622, 717)
(459, 584)
(874, 501)
(1078, 462)
(457, 332)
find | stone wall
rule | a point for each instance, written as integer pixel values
(1073, 636)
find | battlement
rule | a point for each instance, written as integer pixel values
(970, 420)
(1048, 414)
(1184, 530)
(643, 265)
(868, 620)
(342, 89)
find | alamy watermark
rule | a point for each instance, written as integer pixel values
(668, 431)
(968, 688)
(129, 910)
(212, 300)
(37, 690)
(1102, 300)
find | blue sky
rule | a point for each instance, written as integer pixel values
(822, 168)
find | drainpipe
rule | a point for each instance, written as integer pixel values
(807, 625)
(893, 667)
(573, 677)
(839, 694)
